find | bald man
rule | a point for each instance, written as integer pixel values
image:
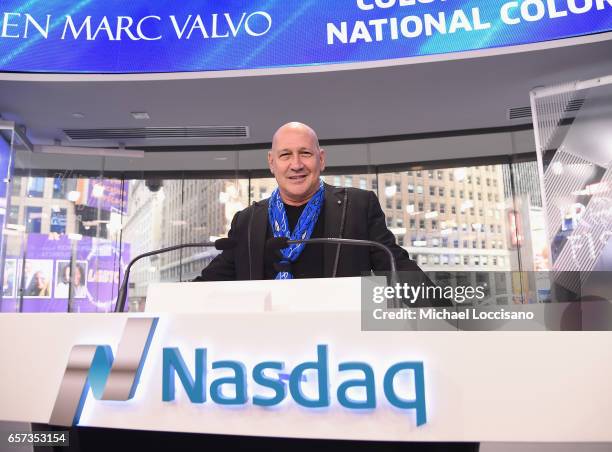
(304, 207)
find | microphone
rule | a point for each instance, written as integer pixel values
(220, 244)
(278, 243)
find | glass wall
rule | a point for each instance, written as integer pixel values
(70, 236)
(65, 250)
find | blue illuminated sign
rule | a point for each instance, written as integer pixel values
(117, 378)
(95, 36)
(236, 383)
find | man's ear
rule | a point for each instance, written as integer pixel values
(322, 156)
(270, 159)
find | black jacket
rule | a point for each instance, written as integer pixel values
(349, 213)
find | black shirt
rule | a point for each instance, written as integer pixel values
(310, 262)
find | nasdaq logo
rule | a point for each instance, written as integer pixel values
(310, 384)
(403, 383)
(93, 366)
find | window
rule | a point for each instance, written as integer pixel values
(33, 219)
(16, 189)
(62, 186)
(191, 209)
(36, 187)
(58, 221)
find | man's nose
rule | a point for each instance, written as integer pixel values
(296, 163)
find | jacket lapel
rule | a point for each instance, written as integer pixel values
(334, 204)
(257, 239)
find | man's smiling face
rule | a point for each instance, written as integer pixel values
(296, 162)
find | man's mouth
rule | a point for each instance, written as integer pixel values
(298, 177)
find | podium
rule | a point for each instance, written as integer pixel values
(475, 386)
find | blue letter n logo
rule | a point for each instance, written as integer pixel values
(93, 366)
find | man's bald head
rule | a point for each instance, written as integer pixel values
(293, 127)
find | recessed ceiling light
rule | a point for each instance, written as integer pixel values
(76, 114)
(140, 115)
(220, 158)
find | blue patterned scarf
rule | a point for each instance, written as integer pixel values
(303, 229)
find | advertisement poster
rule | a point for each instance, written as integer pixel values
(92, 268)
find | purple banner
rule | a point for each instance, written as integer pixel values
(108, 194)
(48, 273)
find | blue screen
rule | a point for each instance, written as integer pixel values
(114, 36)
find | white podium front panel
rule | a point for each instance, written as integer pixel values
(316, 294)
(478, 386)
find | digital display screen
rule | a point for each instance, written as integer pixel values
(95, 36)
